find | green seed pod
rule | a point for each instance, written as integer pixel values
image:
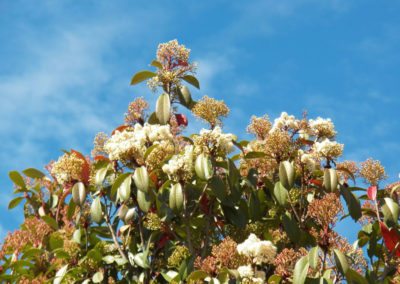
(124, 190)
(96, 211)
(163, 108)
(203, 167)
(141, 179)
(176, 197)
(129, 215)
(122, 211)
(330, 180)
(286, 174)
(79, 193)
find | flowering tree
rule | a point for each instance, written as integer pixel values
(153, 205)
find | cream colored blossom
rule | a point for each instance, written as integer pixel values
(180, 167)
(257, 250)
(322, 128)
(285, 122)
(328, 149)
(245, 271)
(130, 144)
(68, 168)
(214, 141)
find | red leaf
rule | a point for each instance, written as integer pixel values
(181, 119)
(100, 158)
(371, 192)
(391, 238)
(120, 129)
(316, 182)
(85, 174)
(164, 239)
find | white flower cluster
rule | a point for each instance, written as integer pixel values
(247, 274)
(257, 250)
(285, 122)
(126, 144)
(321, 127)
(214, 140)
(308, 159)
(180, 166)
(328, 149)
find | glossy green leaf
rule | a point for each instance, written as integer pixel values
(33, 173)
(301, 270)
(341, 261)
(51, 222)
(17, 179)
(393, 208)
(98, 277)
(144, 200)
(156, 63)
(14, 203)
(176, 197)
(192, 81)
(280, 193)
(142, 76)
(353, 204)
(313, 257)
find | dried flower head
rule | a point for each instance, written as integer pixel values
(286, 260)
(33, 232)
(372, 171)
(136, 111)
(98, 144)
(210, 110)
(347, 170)
(223, 255)
(259, 126)
(325, 211)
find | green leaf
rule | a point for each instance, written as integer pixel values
(118, 181)
(17, 179)
(341, 261)
(141, 76)
(280, 193)
(76, 237)
(100, 175)
(156, 63)
(300, 270)
(353, 204)
(55, 242)
(51, 222)
(353, 276)
(393, 208)
(313, 257)
(274, 279)
(144, 201)
(291, 228)
(98, 277)
(197, 275)
(60, 274)
(192, 81)
(14, 203)
(33, 173)
(255, 155)
(141, 260)
(176, 197)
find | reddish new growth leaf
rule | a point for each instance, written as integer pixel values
(120, 129)
(371, 192)
(85, 168)
(181, 119)
(101, 158)
(391, 238)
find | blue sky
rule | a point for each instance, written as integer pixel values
(65, 70)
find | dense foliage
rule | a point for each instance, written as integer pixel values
(153, 205)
